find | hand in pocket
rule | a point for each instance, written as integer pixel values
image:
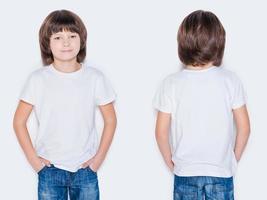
(94, 163)
(44, 163)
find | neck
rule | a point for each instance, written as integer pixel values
(199, 67)
(66, 66)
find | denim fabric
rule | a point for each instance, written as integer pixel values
(203, 187)
(58, 184)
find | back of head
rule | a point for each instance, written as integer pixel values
(57, 21)
(201, 39)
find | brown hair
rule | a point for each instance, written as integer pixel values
(201, 39)
(57, 21)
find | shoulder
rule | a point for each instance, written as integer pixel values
(170, 83)
(38, 73)
(92, 71)
(228, 75)
(174, 78)
(93, 74)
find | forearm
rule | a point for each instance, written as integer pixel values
(26, 145)
(164, 147)
(243, 130)
(241, 142)
(106, 138)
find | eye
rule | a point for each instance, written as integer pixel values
(73, 36)
(56, 38)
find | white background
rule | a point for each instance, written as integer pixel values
(134, 44)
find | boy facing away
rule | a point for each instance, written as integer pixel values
(199, 106)
(64, 96)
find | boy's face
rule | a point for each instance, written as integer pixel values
(65, 45)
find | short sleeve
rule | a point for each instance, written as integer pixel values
(239, 94)
(162, 99)
(28, 92)
(104, 92)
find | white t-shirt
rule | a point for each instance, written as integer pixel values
(65, 104)
(202, 127)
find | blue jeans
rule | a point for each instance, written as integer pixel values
(203, 187)
(58, 184)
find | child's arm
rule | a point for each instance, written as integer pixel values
(110, 122)
(243, 130)
(19, 123)
(162, 137)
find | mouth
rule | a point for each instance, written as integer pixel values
(66, 51)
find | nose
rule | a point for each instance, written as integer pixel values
(66, 42)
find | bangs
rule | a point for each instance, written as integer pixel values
(63, 23)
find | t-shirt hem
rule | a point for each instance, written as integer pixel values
(63, 167)
(204, 172)
(26, 100)
(106, 101)
(238, 105)
(67, 169)
(188, 174)
(161, 109)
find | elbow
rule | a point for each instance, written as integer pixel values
(157, 137)
(18, 124)
(111, 121)
(15, 123)
(114, 121)
(248, 131)
(245, 131)
(160, 135)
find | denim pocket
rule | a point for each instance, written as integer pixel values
(185, 192)
(40, 171)
(90, 169)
